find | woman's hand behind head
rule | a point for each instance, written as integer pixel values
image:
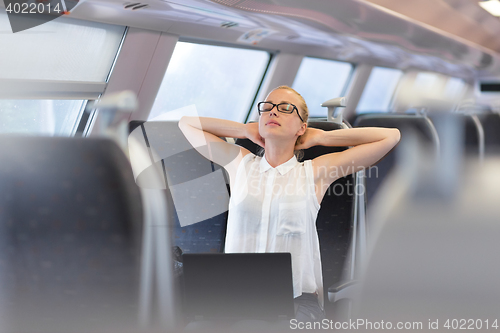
(312, 137)
(252, 133)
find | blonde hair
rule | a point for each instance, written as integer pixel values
(304, 114)
(303, 106)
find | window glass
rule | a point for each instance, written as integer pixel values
(379, 90)
(454, 88)
(221, 82)
(319, 80)
(425, 83)
(40, 117)
(62, 49)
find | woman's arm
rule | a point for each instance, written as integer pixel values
(370, 145)
(217, 127)
(203, 133)
(346, 137)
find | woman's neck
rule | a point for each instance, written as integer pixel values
(277, 154)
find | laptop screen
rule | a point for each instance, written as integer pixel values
(239, 286)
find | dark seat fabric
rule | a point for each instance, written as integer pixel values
(335, 217)
(182, 165)
(491, 126)
(70, 236)
(471, 138)
(418, 125)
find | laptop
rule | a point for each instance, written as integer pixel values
(238, 286)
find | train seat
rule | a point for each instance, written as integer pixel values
(70, 238)
(418, 124)
(197, 187)
(471, 128)
(491, 126)
(472, 137)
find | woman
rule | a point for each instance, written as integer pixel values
(274, 198)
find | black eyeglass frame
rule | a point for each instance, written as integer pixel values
(277, 108)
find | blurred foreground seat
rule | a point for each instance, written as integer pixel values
(434, 254)
(70, 236)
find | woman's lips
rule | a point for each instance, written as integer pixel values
(273, 123)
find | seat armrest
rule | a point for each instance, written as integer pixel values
(342, 290)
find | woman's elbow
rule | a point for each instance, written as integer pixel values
(395, 135)
(183, 122)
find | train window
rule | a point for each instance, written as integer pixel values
(454, 88)
(426, 83)
(63, 50)
(379, 90)
(42, 117)
(49, 72)
(220, 81)
(319, 80)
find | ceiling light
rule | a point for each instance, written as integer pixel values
(491, 6)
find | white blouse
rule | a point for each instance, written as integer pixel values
(275, 210)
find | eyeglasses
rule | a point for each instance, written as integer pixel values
(282, 107)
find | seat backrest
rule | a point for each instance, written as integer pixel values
(196, 186)
(405, 123)
(335, 217)
(471, 136)
(491, 126)
(70, 236)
